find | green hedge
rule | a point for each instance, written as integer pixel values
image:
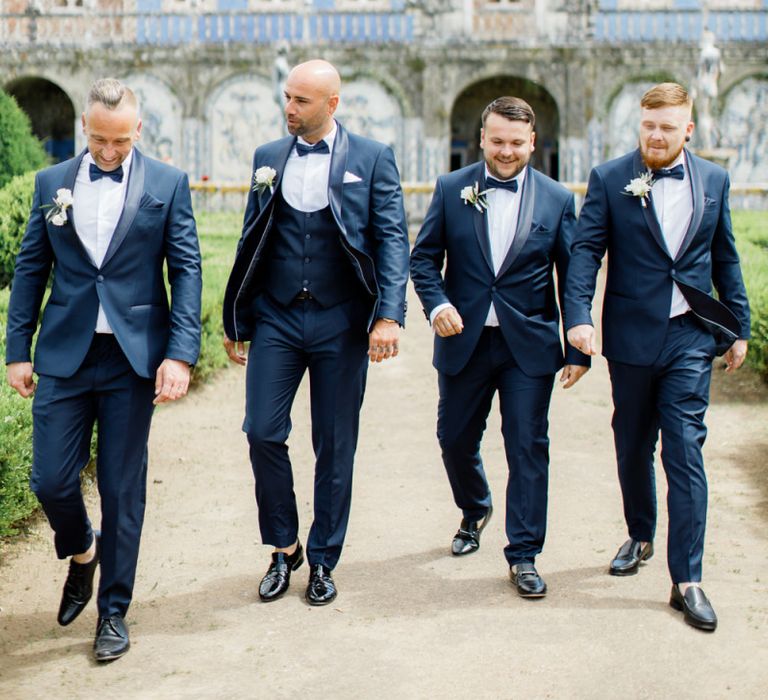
(16, 500)
(20, 150)
(751, 229)
(218, 238)
(15, 202)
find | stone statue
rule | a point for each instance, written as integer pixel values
(280, 70)
(708, 73)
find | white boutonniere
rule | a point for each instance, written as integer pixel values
(471, 195)
(641, 187)
(263, 178)
(58, 210)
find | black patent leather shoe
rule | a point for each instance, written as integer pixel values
(628, 558)
(697, 610)
(112, 640)
(321, 589)
(278, 576)
(527, 580)
(78, 588)
(467, 539)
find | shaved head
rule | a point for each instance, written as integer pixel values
(311, 97)
(320, 73)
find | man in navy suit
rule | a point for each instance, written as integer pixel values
(109, 347)
(318, 284)
(503, 227)
(662, 215)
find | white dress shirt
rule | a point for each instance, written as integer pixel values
(673, 204)
(96, 209)
(305, 181)
(503, 213)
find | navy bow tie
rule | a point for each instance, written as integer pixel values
(501, 184)
(678, 173)
(320, 147)
(97, 173)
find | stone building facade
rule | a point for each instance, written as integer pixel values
(416, 73)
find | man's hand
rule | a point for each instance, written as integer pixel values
(20, 378)
(734, 358)
(571, 374)
(171, 380)
(236, 351)
(582, 337)
(448, 322)
(384, 340)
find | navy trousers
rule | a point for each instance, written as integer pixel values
(465, 402)
(105, 390)
(332, 344)
(670, 396)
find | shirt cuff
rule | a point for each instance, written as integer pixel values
(437, 310)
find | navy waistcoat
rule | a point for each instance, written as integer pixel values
(306, 255)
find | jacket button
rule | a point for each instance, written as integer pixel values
(305, 282)
(493, 289)
(306, 260)
(673, 271)
(100, 278)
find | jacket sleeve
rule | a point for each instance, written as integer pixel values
(33, 266)
(589, 246)
(390, 233)
(428, 255)
(726, 270)
(566, 230)
(182, 253)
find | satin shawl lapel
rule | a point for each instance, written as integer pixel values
(649, 213)
(480, 218)
(70, 176)
(524, 220)
(697, 192)
(133, 195)
(336, 174)
(281, 160)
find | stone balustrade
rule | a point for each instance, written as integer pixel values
(94, 27)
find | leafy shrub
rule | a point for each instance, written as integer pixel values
(20, 150)
(751, 230)
(15, 202)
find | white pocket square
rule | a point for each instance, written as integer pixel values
(351, 177)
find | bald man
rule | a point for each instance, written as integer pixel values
(318, 284)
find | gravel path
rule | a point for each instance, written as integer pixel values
(410, 620)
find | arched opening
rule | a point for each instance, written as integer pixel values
(466, 122)
(51, 112)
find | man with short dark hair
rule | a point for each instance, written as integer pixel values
(662, 215)
(104, 224)
(501, 227)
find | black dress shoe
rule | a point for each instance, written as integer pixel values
(467, 539)
(78, 588)
(629, 556)
(278, 576)
(321, 589)
(697, 610)
(527, 580)
(112, 640)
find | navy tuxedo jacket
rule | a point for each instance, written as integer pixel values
(523, 292)
(369, 214)
(638, 290)
(156, 227)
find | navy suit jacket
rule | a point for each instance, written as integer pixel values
(369, 214)
(523, 292)
(638, 290)
(156, 227)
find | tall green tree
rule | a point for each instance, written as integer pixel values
(20, 150)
